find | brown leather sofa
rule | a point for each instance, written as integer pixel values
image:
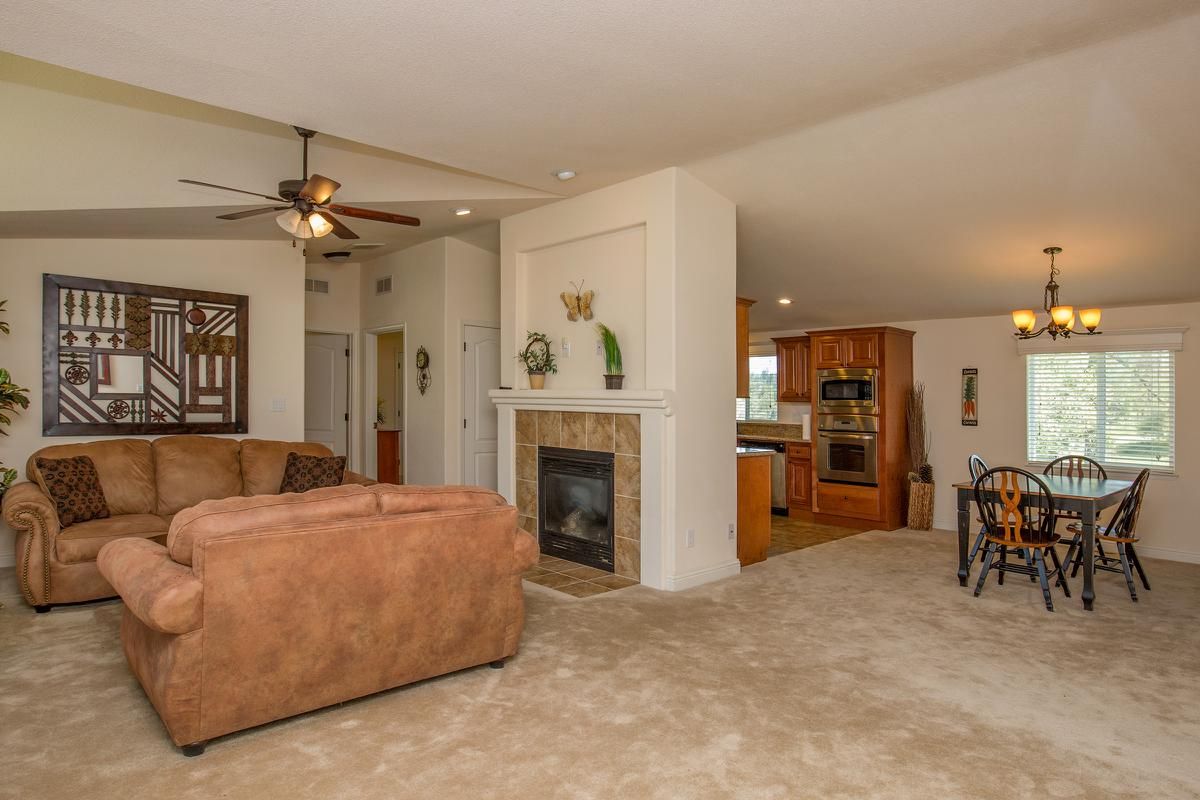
(260, 608)
(146, 483)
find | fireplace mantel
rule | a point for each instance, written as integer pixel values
(611, 400)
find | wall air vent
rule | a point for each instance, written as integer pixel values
(383, 285)
(317, 286)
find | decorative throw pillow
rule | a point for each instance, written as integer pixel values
(74, 486)
(304, 473)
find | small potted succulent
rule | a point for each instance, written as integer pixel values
(538, 358)
(613, 376)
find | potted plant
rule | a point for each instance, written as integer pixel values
(920, 480)
(13, 398)
(613, 377)
(538, 358)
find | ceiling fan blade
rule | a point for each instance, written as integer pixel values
(377, 216)
(252, 212)
(339, 228)
(231, 189)
(319, 189)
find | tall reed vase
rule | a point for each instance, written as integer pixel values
(920, 506)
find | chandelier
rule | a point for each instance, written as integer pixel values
(1062, 318)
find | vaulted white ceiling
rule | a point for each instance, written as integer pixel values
(911, 151)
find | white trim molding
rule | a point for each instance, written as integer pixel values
(629, 401)
(1110, 341)
(677, 583)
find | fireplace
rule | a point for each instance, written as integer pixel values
(575, 505)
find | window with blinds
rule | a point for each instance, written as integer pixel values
(1115, 407)
(764, 381)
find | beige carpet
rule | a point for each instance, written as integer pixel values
(854, 669)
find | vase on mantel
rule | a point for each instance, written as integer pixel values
(613, 381)
(537, 380)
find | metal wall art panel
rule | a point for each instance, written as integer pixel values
(126, 358)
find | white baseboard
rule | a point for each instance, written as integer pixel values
(677, 583)
(1167, 554)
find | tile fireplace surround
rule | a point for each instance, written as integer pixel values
(579, 430)
(631, 424)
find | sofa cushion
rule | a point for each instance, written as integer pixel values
(125, 467)
(417, 499)
(191, 469)
(74, 486)
(263, 463)
(304, 473)
(236, 515)
(82, 542)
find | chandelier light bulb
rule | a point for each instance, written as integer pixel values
(1024, 319)
(319, 225)
(1090, 317)
(1063, 316)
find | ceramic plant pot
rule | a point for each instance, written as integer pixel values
(537, 380)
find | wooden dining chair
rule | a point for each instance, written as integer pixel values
(1077, 467)
(1121, 532)
(1019, 513)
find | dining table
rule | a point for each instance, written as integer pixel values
(1085, 496)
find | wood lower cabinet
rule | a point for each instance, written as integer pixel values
(753, 508)
(387, 456)
(792, 354)
(799, 476)
(846, 500)
(743, 346)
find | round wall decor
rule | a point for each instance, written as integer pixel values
(423, 379)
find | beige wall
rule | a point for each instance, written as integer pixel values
(613, 265)
(338, 311)
(271, 273)
(942, 348)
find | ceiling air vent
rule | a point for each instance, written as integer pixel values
(366, 245)
(314, 285)
(383, 285)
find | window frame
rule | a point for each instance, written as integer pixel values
(762, 350)
(1120, 471)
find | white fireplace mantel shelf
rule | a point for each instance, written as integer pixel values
(660, 400)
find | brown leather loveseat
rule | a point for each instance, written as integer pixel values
(146, 483)
(260, 608)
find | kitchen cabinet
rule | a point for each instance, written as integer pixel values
(753, 507)
(831, 351)
(792, 355)
(799, 476)
(743, 346)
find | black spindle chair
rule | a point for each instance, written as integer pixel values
(1018, 513)
(1122, 532)
(977, 466)
(1077, 467)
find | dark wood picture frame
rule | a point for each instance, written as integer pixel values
(53, 347)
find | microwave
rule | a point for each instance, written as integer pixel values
(847, 391)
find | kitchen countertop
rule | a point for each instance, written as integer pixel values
(752, 437)
(744, 452)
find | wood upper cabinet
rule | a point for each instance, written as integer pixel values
(792, 354)
(743, 346)
(830, 351)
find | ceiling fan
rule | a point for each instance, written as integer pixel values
(307, 210)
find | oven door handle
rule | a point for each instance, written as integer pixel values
(839, 434)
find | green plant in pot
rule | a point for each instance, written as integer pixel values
(13, 398)
(613, 376)
(538, 358)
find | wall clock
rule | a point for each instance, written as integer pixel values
(423, 379)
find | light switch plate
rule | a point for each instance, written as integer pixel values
(278, 404)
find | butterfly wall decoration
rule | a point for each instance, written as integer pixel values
(578, 304)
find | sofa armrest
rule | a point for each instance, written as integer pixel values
(162, 593)
(350, 477)
(33, 515)
(525, 551)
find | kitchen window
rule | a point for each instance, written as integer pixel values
(763, 402)
(1117, 407)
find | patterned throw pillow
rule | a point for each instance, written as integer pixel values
(75, 488)
(304, 473)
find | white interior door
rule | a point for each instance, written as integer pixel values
(481, 374)
(327, 390)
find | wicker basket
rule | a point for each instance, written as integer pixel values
(920, 506)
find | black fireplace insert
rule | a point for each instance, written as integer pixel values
(575, 505)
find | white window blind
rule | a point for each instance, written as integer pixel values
(1115, 407)
(764, 381)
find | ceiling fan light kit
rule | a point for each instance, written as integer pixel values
(1062, 317)
(308, 212)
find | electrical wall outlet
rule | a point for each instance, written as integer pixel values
(566, 348)
(732, 532)
(690, 537)
(278, 404)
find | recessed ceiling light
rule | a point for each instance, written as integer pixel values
(462, 211)
(564, 174)
(338, 256)
(785, 301)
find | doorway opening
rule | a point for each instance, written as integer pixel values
(384, 395)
